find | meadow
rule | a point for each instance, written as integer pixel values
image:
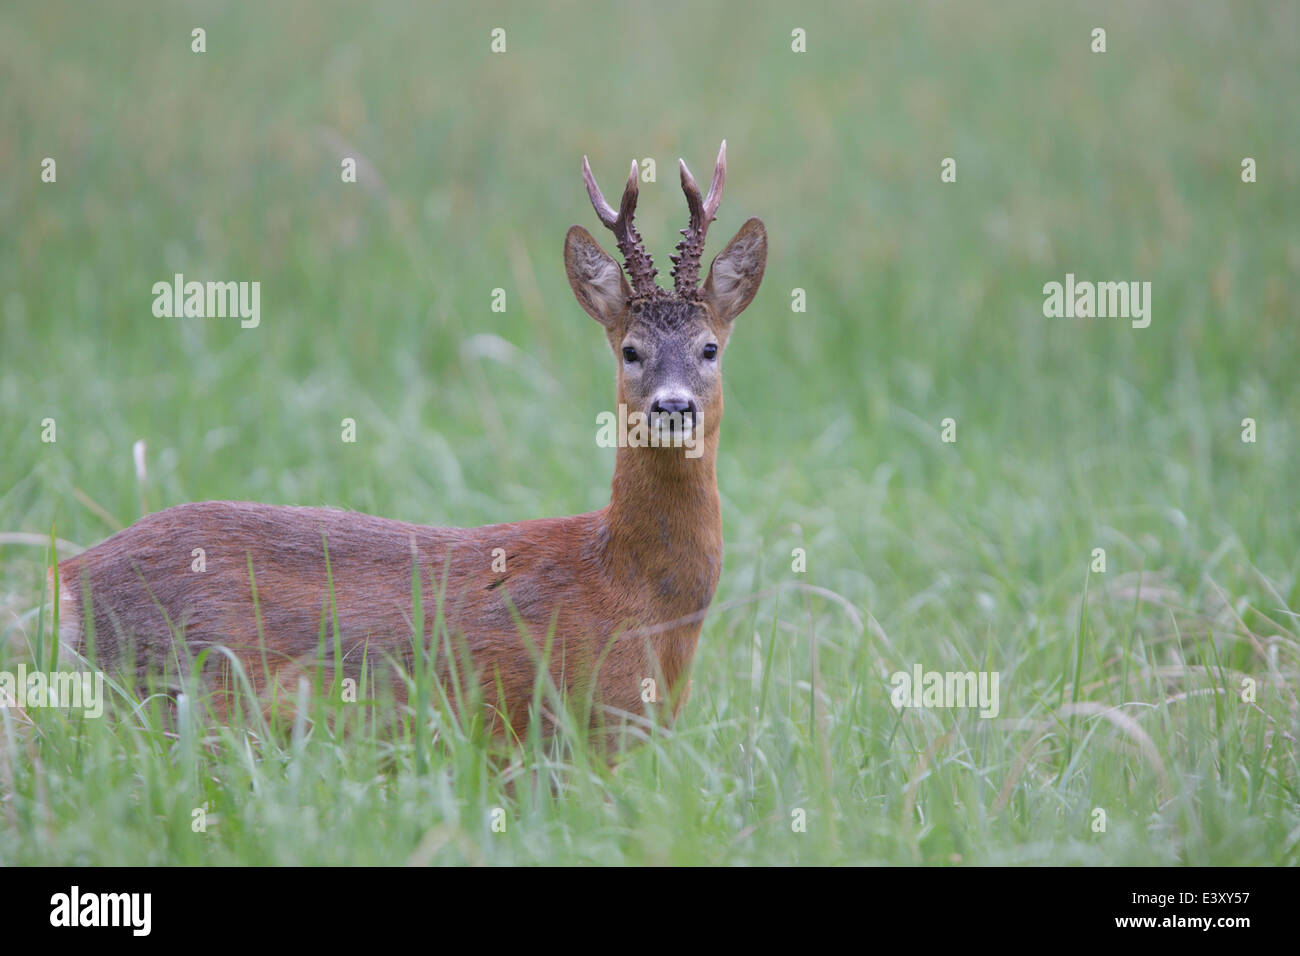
(1160, 691)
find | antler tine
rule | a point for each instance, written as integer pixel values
(686, 264)
(603, 209)
(640, 267)
(714, 199)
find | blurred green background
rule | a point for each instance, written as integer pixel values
(924, 302)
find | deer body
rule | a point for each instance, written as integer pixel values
(609, 599)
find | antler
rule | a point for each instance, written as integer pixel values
(640, 267)
(686, 264)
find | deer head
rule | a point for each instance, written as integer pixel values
(669, 345)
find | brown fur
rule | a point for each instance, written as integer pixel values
(623, 589)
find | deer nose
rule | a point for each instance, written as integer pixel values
(673, 404)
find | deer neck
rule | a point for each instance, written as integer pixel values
(664, 525)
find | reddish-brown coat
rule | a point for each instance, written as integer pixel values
(621, 592)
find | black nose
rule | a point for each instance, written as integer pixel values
(678, 405)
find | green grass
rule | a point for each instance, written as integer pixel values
(1120, 691)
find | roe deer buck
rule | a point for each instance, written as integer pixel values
(622, 592)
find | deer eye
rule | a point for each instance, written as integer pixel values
(710, 351)
(629, 354)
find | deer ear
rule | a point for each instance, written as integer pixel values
(736, 271)
(595, 277)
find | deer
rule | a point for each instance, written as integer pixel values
(598, 604)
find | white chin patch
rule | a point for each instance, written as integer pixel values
(665, 435)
